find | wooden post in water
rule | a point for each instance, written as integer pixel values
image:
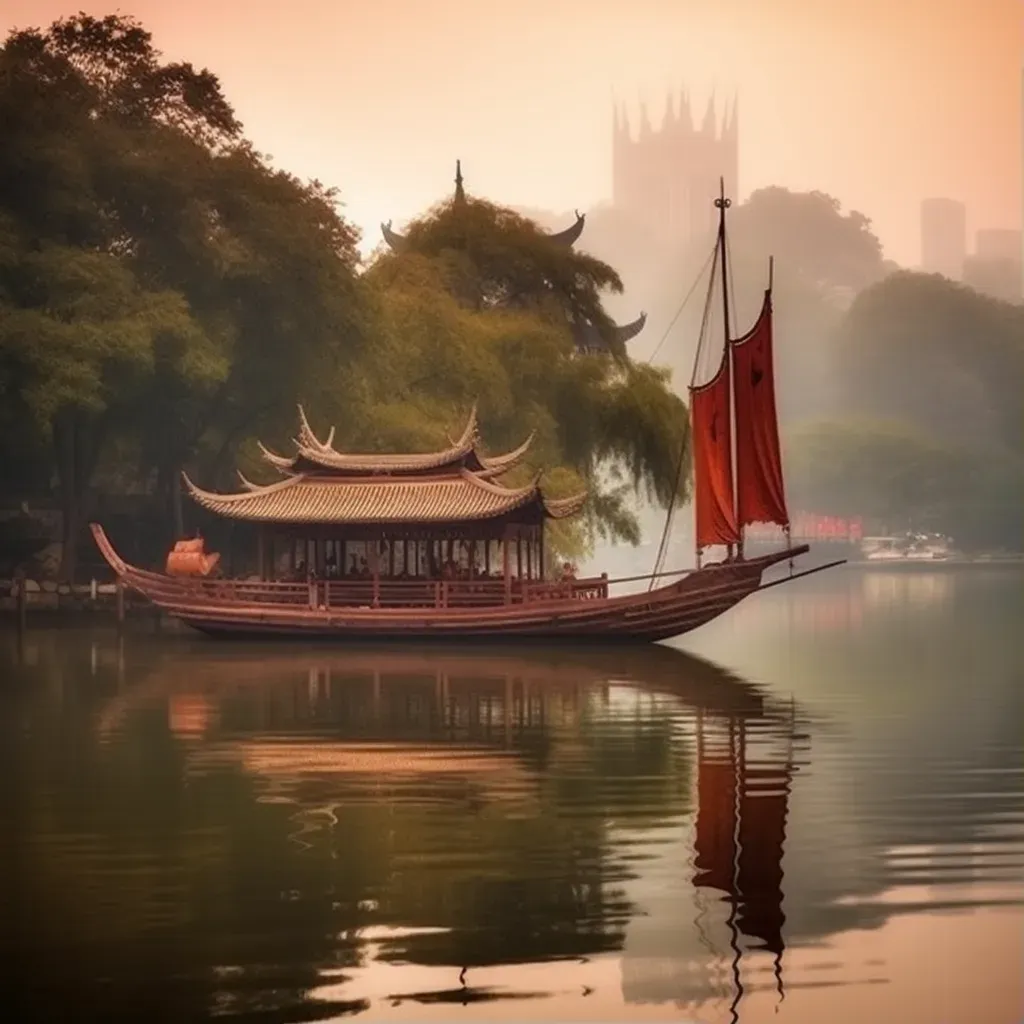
(119, 603)
(507, 709)
(21, 600)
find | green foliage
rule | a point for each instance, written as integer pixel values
(885, 471)
(900, 478)
(809, 236)
(932, 352)
(167, 295)
(157, 278)
(468, 312)
(491, 257)
(78, 332)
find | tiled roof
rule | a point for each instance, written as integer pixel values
(305, 498)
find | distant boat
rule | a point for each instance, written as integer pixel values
(909, 548)
(432, 545)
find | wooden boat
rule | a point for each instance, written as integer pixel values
(432, 545)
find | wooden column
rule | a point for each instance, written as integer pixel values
(376, 693)
(375, 570)
(506, 566)
(260, 544)
(540, 547)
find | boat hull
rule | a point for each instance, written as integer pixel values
(658, 614)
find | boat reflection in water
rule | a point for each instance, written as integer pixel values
(466, 825)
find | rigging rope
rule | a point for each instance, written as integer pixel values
(679, 311)
(666, 533)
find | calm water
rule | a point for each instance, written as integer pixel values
(814, 813)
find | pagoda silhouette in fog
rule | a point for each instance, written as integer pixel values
(587, 336)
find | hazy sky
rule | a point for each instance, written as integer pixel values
(880, 102)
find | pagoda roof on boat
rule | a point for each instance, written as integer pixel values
(313, 456)
(308, 499)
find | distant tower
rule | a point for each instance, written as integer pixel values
(943, 237)
(668, 178)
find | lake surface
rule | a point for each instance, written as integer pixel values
(812, 810)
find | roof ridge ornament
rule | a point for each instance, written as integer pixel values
(275, 460)
(471, 431)
(460, 192)
(307, 439)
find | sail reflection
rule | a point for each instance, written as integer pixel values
(692, 948)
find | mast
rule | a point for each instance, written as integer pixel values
(722, 203)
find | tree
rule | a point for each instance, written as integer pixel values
(927, 373)
(495, 258)
(938, 355)
(78, 334)
(476, 307)
(886, 472)
(81, 321)
(808, 234)
(133, 170)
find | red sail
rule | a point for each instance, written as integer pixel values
(712, 460)
(759, 489)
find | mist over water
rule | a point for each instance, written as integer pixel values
(816, 812)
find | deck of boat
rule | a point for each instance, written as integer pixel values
(457, 609)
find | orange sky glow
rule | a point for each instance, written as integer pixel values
(879, 102)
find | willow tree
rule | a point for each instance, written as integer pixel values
(478, 304)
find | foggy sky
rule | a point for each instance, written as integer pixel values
(880, 102)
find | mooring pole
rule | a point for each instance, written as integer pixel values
(21, 600)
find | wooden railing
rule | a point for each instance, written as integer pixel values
(369, 593)
(454, 593)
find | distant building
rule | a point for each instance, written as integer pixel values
(999, 278)
(668, 178)
(943, 237)
(995, 267)
(998, 244)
